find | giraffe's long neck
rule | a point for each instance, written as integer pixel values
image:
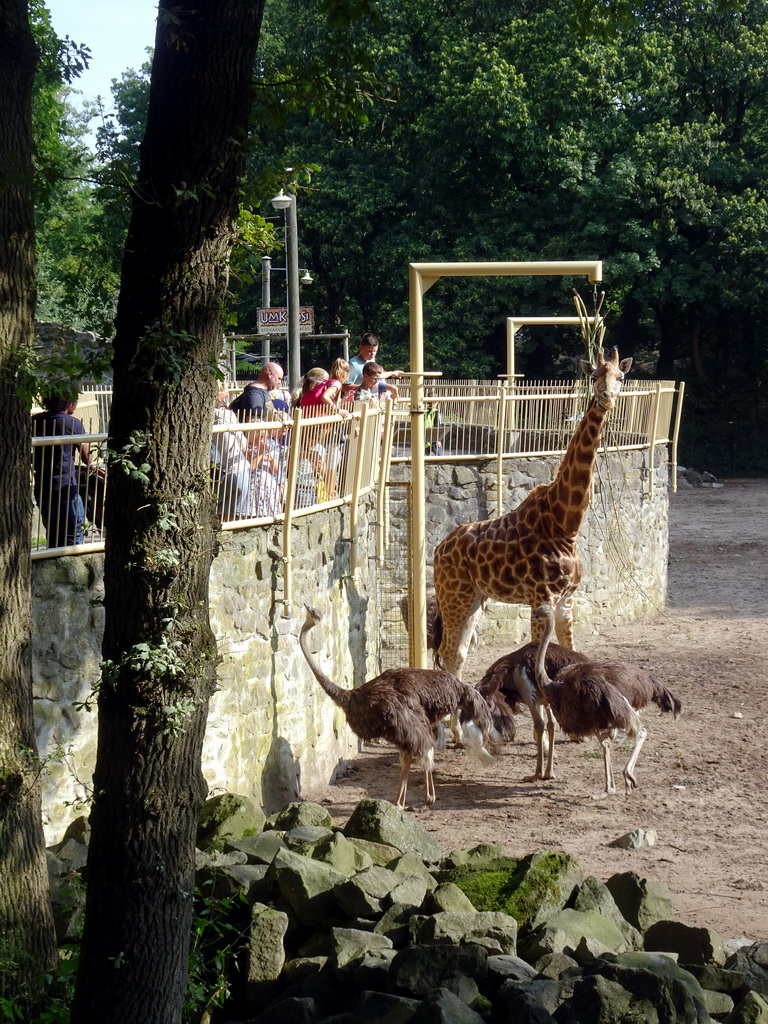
(569, 491)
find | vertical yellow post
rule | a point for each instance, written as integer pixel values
(381, 493)
(290, 503)
(652, 437)
(418, 473)
(678, 414)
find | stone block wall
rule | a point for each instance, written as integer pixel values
(272, 732)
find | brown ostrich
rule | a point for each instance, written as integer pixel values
(510, 684)
(599, 698)
(404, 706)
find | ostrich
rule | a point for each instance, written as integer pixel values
(404, 706)
(510, 683)
(599, 698)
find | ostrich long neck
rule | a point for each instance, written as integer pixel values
(570, 490)
(336, 693)
(540, 666)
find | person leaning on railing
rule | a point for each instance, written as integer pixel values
(56, 483)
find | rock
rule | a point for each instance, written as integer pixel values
(228, 817)
(300, 812)
(342, 854)
(307, 885)
(484, 857)
(581, 934)
(441, 1006)
(635, 839)
(659, 965)
(753, 1009)
(533, 1001)
(502, 968)
(553, 965)
(260, 849)
(641, 901)
(417, 969)
(303, 838)
(379, 821)
(394, 924)
(72, 854)
(79, 830)
(692, 945)
(463, 988)
(348, 944)
(361, 895)
(248, 880)
(496, 933)
(264, 954)
(384, 1008)
(216, 859)
(293, 1010)
(410, 892)
(652, 991)
(717, 979)
(372, 971)
(752, 960)
(595, 895)
(537, 887)
(718, 1004)
(380, 853)
(411, 864)
(447, 896)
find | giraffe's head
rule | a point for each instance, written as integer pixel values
(607, 376)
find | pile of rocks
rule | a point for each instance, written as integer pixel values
(376, 922)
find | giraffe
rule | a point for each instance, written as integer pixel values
(527, 556)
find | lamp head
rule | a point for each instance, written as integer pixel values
(281, 201)
(306, 278)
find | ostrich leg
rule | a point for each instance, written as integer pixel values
(630, 782)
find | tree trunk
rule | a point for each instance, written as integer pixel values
(27, 940)
(159, 651)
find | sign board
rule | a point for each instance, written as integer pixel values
(274, 320)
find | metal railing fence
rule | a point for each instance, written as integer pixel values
(274, 470)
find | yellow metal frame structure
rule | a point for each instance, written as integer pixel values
(421, 277)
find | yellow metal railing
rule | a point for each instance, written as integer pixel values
(275, 470)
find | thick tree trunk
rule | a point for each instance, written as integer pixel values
(159, 650)
(26, 925)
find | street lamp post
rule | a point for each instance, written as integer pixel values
(287, 203)
(266, 273)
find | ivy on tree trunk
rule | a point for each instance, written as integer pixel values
(159, 651)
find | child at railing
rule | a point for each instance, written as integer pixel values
(323, 396)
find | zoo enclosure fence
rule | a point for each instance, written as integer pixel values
(269, 472)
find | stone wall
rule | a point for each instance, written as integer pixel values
(272, 733)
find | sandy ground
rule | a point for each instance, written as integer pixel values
(702, 778)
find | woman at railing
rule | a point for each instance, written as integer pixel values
(56, 480)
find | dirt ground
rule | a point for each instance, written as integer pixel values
(702, 778)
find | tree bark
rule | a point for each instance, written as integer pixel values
(159, 651)
(27, 939)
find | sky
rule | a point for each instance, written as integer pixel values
(116, 31)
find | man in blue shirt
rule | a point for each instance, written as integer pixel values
(369, 346)
(56, 482)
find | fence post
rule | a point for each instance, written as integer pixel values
(652, 437)
(290, 502)
(357, 473)
(676, 434)
(500, 421)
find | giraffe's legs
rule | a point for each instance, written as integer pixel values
(630, 782)
(459, 616)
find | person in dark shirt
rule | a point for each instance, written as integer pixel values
(56, 473)
(255, 401)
